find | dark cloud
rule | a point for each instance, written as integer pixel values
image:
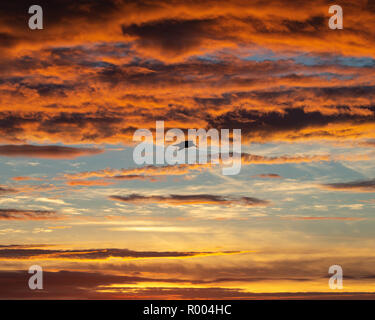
(255, 123)
(5, 190)
(171, 36)
(7, 40)
(134, 177)
(56, 11)
(64, 284)
(311, 25)
(16, 214)
(369, 143)
(51, 89)
(174, 199)
(27, 253)
(98, 125)
(355, 186)
(49, 152)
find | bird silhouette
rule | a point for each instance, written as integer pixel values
(185, 144)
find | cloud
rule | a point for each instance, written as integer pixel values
(225, 64)
(141, 173)
(24, 178)
(17, 214)
(305, 108)
(62, 284)
(232, 22)
(65, 284)
(50, 200)
(167, 276)
(23, 246)
(9, 253)
(59, 227)
(154, 173)
(171, 37)
(370, 143)
(352, 186)
(174, 199)
(326, 218)
(89, 182)
(272, 69)
(106, 182)
(290, 124)
(6, 190)
(212, 293)
(248, 158)
(134, 177)
(268, 175)
(48, 152)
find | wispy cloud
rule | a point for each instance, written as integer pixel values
(48, 152)
(9, 253)
(352, 186)
(19, 214)
(174, 199)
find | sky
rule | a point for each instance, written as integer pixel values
(73, 200)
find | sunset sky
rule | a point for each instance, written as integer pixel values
(73, 201)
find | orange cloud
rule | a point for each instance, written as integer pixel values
(89, 183)
(22, 178)
(187, 63)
